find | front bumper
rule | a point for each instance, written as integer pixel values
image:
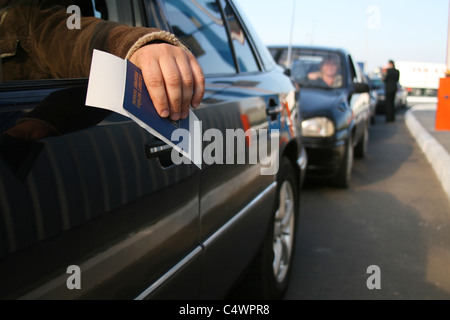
(324, 158)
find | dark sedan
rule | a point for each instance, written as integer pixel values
(102, 212)
(335, 106)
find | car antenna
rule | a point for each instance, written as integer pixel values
(289, 55)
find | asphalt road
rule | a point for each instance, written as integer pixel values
(395, 216)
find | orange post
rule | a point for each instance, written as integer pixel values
(443, 105)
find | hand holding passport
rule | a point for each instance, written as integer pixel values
(118, 85)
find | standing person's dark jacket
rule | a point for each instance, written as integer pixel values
(391, 79)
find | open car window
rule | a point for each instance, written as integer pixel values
(129, 13)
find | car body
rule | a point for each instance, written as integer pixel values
(373, 94)
(400, 98)
(106, 203)
(335, 120)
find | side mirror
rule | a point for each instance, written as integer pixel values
(361, 87)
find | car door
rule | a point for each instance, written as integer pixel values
(359, 101)
(236, 197)
(96, 212)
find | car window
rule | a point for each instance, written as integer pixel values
(124, 12)
(244, 54)
(200, 26)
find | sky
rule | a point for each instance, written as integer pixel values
(373, 31)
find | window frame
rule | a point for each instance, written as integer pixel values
(255, 43)
(162, 5)
(230, 39)
(248, 37)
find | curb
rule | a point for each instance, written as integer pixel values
(437, 156)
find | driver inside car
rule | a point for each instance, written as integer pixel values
(328, 73)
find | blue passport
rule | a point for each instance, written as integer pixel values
(137, 101)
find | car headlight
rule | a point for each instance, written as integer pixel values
(319, 127)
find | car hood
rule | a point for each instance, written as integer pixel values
(320, 102)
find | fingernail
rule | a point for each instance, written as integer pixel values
(195, 105)
(184, 115)
(165, 113)
(175, 117)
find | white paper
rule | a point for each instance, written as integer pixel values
(106, 90)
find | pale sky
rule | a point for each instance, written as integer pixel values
(374, 31)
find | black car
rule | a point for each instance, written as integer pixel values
(335, 106)
(104, 207)
(401, 96)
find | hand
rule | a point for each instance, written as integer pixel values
(30, 130)
(313, 75)
(173, 78)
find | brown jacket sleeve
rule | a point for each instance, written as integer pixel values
(52, 50)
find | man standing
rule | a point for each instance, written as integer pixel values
(390, 78)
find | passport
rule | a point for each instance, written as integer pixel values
(137, 101)
(117, 85)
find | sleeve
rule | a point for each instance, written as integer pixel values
(67, 53)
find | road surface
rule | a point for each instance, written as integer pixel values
(395, 216)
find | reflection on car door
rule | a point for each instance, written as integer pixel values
(96, 198)
(237, 96)
(93, 199)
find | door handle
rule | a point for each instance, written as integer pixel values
(273, 111)
(156, 149)
(160, 151)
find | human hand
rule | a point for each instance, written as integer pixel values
(173, 78)
(30, 130)
(313, 75)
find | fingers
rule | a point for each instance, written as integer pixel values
(178, 81)
(173, 78)
(199, 82)
(154, 81)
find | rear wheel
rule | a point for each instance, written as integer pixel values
(269, 274)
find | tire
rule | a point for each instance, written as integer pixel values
(361, 148)
(268, 276)
(343, 176)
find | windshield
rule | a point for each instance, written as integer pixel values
(317, 68)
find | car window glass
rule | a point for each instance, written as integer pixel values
(243, 51)
(200, 26)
